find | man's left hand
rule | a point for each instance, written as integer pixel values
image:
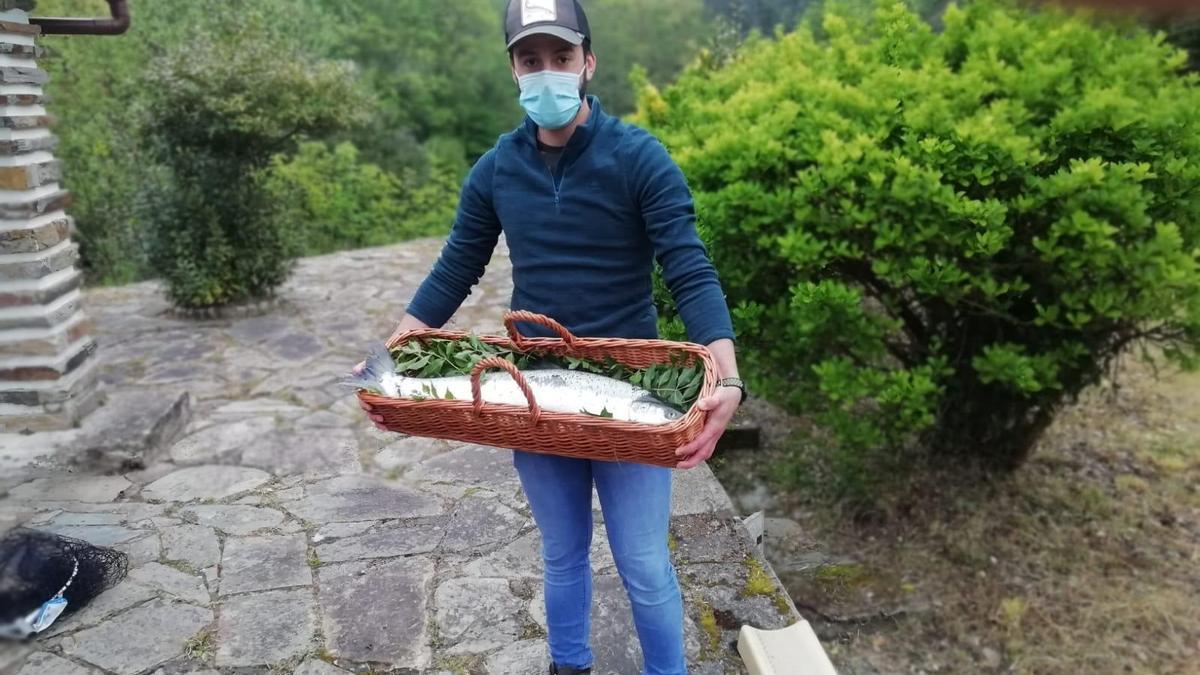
(720, 408)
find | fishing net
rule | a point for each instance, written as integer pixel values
(41, 568)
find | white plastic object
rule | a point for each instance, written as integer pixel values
(794, 650)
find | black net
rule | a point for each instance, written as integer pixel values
(35, 565)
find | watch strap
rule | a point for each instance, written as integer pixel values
(734, 382)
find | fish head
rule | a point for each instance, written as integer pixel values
(650, 410)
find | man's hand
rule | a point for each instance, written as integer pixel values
(376, 419)
(720, 408)
(409, 322)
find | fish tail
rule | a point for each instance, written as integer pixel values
(379, 362)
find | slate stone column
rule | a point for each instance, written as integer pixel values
(47, 369)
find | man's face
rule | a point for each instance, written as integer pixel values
(546, 52)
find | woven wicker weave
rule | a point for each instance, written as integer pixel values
(532, 429)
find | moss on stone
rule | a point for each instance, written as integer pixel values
(532, 631)
(458, 664)
(758, 582)
(843, 576)
(781, 604)
(708, 626)
(181, 566)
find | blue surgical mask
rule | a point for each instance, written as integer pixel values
(551, 97)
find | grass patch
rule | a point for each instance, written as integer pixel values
(1082, 561)
(314, 561)
(200, 646)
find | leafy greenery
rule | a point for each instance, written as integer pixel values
(676, 383)
(656, 37)
(336, 200)
(437, 357)
(219, 115)
(111, 148)
(442, 88)
(438, 73)
(970, 226)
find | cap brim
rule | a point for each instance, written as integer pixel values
(574, 37)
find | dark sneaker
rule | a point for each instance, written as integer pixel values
(555, 670)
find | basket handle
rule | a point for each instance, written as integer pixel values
(518, 340)
(535, 412)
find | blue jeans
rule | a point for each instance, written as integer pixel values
(636, 501)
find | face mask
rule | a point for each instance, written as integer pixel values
(39, 619)
(550, 97)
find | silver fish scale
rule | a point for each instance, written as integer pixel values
(556, 390)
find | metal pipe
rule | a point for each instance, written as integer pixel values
(117, 24)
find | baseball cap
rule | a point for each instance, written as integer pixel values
(561, 18)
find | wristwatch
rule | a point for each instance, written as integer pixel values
(734, 382)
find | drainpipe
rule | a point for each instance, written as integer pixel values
(115, 25)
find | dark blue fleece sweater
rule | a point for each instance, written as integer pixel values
(582, 238)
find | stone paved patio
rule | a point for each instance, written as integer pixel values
(284, 534)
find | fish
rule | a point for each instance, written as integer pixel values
(555, 389)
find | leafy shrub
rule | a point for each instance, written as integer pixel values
(219, 115)
(336, 201)
(98, 92)
(943, 238)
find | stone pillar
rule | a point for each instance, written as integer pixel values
(47, 373)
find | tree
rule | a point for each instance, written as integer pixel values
(223, 105)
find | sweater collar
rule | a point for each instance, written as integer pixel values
(583, 133)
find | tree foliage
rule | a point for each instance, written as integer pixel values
(944, 237)
(658, 36)
(438, 72)
(338, 201)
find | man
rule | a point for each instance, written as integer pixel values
(586, 203)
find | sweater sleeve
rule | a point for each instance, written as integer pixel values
(467, 251)
(658, 187)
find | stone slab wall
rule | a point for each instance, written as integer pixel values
(47, 373)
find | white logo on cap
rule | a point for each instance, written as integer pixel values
(533, 11)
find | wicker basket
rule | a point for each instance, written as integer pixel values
(532, 429)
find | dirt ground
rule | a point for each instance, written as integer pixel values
(1086, 560)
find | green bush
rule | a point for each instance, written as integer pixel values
(219, 115)
(98, 93)
(335, 201)
(935, 241)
